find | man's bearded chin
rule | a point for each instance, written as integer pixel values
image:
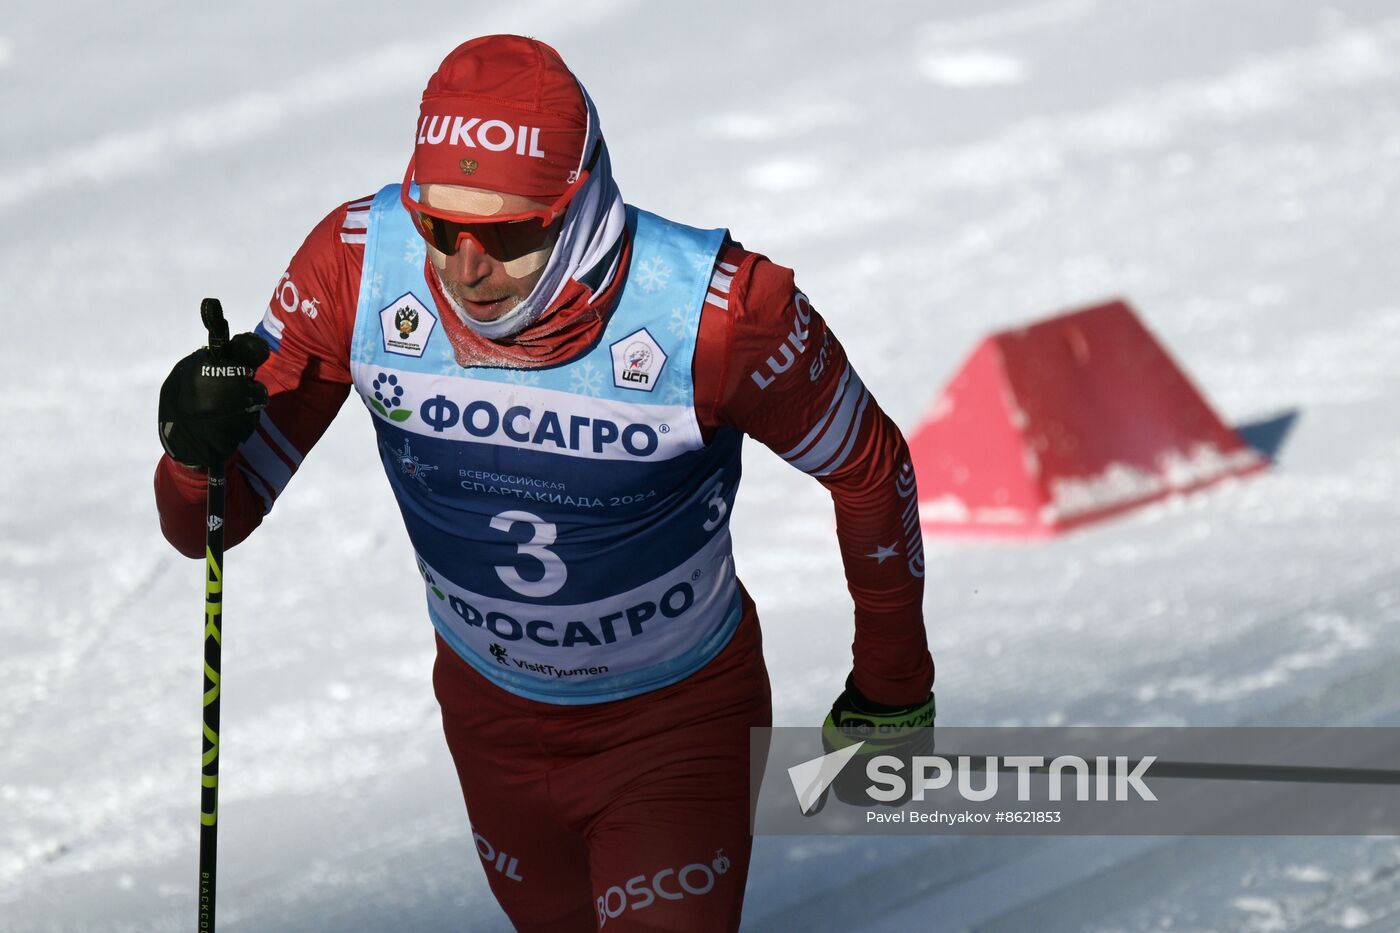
(517, 315)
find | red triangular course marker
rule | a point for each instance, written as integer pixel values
(1065, 422)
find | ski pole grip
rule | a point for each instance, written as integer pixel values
(212, 313)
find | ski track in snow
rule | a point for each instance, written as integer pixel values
(1228, 166)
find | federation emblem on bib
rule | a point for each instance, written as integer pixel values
(406, 324)
(637, 361)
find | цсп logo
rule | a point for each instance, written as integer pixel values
(637, 361)
(638, 357)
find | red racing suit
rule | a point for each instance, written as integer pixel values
(633, 812)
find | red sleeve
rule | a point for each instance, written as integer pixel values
(308, 325)
(767, 364)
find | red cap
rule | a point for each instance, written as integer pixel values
(503, 113)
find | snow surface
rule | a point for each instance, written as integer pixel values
(933, 172)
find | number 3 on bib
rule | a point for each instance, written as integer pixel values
(715, 505)
(555, 573)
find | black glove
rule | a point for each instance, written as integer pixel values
(210, 403)
(901, 731)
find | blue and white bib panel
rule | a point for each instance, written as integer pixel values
(571, 525)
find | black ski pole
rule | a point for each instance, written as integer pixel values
(213, 314)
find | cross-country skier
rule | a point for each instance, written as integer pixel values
(559, 383)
